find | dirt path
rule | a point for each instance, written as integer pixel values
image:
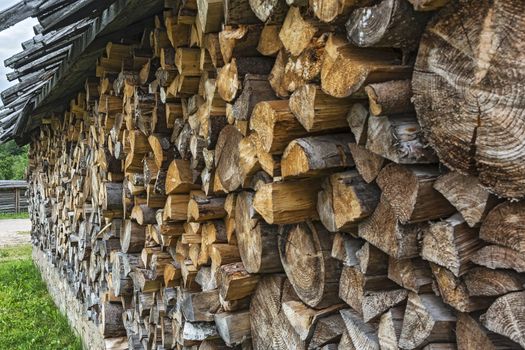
(10, 232)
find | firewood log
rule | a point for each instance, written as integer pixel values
(454, 291)
(296, 33)
(501, 226)
(369, 295)
(505, 317)
(276, 125)
(455, 136)
(317, 111)
(368, 164)
(472, 335)
(497, 257)
(412, 274)
(481, 281)
(399, 139)
(345, 201)
(256, 88)
(357, 119)
(304, 68)
(346, 68)
(390, 97)
(383, 230)
(389, 328)
(287, 202)
(234, 328)
(238, 12)
(450, 243)
(269, 11)
(329, 10)
(410, 192)
(179, 178)
(315, 275)
(466, 195)
(269, 42)
(269, 326)
(257, 241)
(363, 335)
(391, 23)
(315, 156)
(426, 320)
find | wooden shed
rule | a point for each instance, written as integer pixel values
(277, 174)
(13, 197)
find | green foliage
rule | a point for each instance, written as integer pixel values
(13, 161)
(4, 216)
(28, 317)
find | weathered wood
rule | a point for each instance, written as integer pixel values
(317, 155)
(410, 192)
(450, 243)
(345, 201)
(497, 257)
(391, 97)
(426, 320)
(453, 129)
(502, 226)
(318, 111)
(505, 316)
(305, 255)
(390, 23)
(287, 202)
(466, 195)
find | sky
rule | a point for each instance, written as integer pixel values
(10, 42)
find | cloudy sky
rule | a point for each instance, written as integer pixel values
(10, 40)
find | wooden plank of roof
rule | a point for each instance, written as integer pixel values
(18, 12)
(72, 13)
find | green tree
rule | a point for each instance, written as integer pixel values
(13, 161)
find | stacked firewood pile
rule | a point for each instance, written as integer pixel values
(254, 174)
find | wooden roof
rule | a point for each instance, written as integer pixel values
(69, 38)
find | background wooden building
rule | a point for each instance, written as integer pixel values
(13, 197)
(277, 174)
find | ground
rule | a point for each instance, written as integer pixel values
(28, 316)
(14, 232)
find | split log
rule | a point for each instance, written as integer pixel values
(368, 164)
(426, 320)
(471, 335)
(305, 254)
(296, 33)
(318, 111)
(256, 88)
(450, 243)
(412, 274)
(506, 317)
(269, 11)
(383, 230)
(390, 23)
(399, 139)
(497, 257)
(256, 239)
(346, 69)
(466, 195)
(329, 10)
(234, 328)
(391, 97)
(179, 178)
(363, 335)
(454, 291)
(270, 328)
(345, 248)
(276, 125)
(235, 282)
(481, 281)
(389, 329)
(503, 226)
(287, 202)
(450, 118)
(269, 42)
(317, 155)
(133, 237)
(369, 295)
(410, 192)
(345, 201)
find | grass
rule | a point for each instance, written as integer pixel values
(4, 216)
(28, 316)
